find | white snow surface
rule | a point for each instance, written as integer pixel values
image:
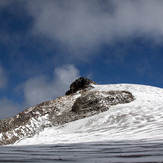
(141, 119)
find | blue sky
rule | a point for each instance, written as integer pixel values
(46, 44)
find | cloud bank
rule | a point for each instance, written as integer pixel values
(86, 25)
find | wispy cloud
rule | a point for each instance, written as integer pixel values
(41, 88)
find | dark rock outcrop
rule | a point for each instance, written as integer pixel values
(99, 101)
(79, 84)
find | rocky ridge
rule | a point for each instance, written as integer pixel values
(81, 101)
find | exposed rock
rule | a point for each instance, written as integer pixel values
(99, 101)
(79, 84)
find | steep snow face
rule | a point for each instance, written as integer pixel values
(137, 120)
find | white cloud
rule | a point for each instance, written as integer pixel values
(85, 25)
(39, 89)
(3, 78)
(8, 108)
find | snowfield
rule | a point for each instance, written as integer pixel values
(141, 119)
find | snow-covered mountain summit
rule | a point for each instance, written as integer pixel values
(139, 120)
(89, 112)
(81, 101)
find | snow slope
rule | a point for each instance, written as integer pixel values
(137, 120)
